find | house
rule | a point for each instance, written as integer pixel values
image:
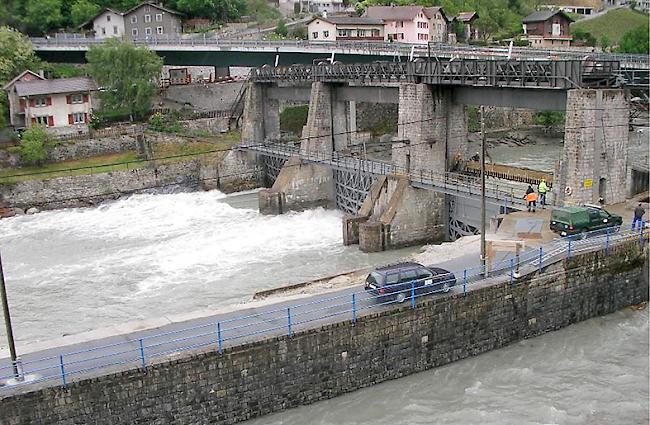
(438, 24)
(468, 20)
(345, 28)
(579, 7)
(547, 28)
(142, 21)
(405, 24)
(63, 105)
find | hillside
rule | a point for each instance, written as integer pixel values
(613, 24)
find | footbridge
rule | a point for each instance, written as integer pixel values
(418, 195)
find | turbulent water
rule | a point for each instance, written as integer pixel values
(592, 373)
(147, 256)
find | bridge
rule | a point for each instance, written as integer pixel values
(224, 52)
(432, 96)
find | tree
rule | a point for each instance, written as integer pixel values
(281, 29)
(32, 145)
(219, 10)
(16, 55)
(126, 75)
(42, 16)
(604, 42)
(635, 41)
(83, 11)
(202, 8)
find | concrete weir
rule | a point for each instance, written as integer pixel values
(394, 215)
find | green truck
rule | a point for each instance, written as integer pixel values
(569, 221)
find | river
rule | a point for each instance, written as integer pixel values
(148, 256)
(591, 373)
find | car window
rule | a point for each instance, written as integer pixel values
(408, 275)
(593, 214)
(604, 214)
(374, 278)
(424, 273)
(392, 278)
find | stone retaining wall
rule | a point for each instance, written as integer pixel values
(235, 172)
(278, 373)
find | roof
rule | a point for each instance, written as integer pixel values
(20, 76)
(55, 86)
(430, 11)
(544, 15)
(157, 6)
(349, 20)
(106, 9)
(393, 13)
(467, 16)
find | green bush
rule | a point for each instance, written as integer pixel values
(293, 118)
(33, 145)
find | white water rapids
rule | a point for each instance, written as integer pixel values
(147, 256)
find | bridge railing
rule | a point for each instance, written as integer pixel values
(402, 49)
(61, 368)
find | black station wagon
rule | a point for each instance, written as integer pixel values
(395, 282)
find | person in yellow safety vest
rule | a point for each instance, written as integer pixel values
(531, 198)
(542, 189)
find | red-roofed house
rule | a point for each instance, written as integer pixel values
(62, 104)
(468, 20)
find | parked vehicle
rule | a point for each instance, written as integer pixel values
(569, 221)
(395, 282)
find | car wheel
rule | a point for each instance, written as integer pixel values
(583, 234)
(446, 287)
(400, 297)
(616, 229)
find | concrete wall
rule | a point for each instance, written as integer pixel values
(273, 374)
(594, 159)
(205, 97)
(299, 186)
(261, 119)
(402, 215)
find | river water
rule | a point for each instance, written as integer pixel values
(591, 373)
(148, 256)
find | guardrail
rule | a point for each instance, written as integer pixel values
(371, 47)
(66, 366)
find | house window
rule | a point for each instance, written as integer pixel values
(314, 34)
(78, 118)
(134, 19)
(45, 120)
(147, 9)
(147, 31)
(77, 98)
(40, 101)
(134, 32)
(159, 30)
(103, 31)
(114, 29)
(326, 34)
(361, 33)
(108, 18)
(147, 18)
(158, 17)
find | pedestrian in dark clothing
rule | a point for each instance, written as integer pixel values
(638, 217)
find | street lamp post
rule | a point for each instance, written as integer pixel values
(483, 259)
(10, 334)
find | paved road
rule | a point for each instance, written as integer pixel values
(100, 356)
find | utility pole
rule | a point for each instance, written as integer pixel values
(483, 259)
(10, 334)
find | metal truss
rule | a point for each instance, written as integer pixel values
(352, 187)
(271, 166)
(458, 229)
(548, 74)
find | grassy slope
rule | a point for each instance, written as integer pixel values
(613, 24)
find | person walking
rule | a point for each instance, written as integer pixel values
(639, 211)
(531, 198)
(543, 190)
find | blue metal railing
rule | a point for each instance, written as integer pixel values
(139, 352)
